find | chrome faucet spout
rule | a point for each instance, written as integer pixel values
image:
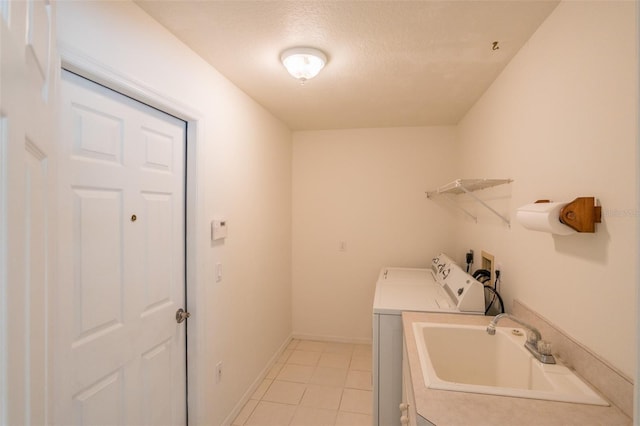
(491, 328)
(538, 347)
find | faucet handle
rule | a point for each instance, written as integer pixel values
(532, 338)
(544, 347)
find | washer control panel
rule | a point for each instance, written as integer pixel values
(466, 292)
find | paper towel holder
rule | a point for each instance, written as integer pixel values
(580, 214)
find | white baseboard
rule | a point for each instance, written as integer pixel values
(257, 382)
(359, 341)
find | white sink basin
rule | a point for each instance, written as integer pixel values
(466, 358)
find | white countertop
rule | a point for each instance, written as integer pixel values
(447, 408)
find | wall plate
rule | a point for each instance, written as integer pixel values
(488, 263)
(218, 229)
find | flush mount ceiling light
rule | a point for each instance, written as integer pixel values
(303, 63)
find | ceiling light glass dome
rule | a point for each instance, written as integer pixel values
(303, 63)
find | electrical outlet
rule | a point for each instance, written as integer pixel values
(219, 372)
(499, 268)
(469, 257)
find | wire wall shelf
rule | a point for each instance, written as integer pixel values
(468, 186)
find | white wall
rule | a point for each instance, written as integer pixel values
(365, 187)
(561, 120)
(243, 175)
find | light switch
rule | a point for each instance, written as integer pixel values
(218, 272)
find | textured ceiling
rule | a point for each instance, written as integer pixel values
(391, 63)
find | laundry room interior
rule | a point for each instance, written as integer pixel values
(318, 198)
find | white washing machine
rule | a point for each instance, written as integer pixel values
(444, 287)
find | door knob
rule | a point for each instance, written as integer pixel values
(182, 315)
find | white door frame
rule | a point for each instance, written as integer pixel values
(91, 69)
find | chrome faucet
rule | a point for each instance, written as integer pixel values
(538, 347)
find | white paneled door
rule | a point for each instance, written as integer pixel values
(122, 260)
(28, 102)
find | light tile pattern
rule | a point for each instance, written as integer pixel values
(314, 384)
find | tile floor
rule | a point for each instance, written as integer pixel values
(312, 384)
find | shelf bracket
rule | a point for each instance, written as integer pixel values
(467, 186)
(462, 209)
(491, 209)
